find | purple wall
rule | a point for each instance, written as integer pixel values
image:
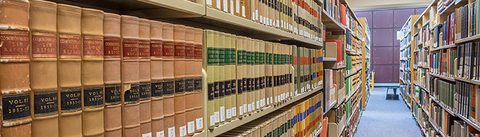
(384, 25)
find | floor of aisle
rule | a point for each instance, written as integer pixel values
(386, 118)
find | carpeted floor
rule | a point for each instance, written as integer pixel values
(386, 118)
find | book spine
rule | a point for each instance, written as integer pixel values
(268, 73)
(43, 65)
(245, 76)
(256, 74)
(217, 86)
(294, 72)
(130, 93)
(198, 76)
(111, 75)
(239, 76)
(179, 75)
(92, 72)
(208, 65)
(226, 76)
(248, 74)
(156, 76)
(15, 87)
(145, 78)
(190, 80)
(262, 75)
(233, 76)
(168, 79)
(69, 70)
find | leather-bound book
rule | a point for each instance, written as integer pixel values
(256, 74)
(69, 70)
(198, 77)
(43, 65)
(208, 65)
(262, 74)
(268, 73)
(130, 93)
(92, 73)
(111, 75)
(168, 80)
(144, 76)
(179, 75)
(156, 75)
(245, 77)
(239, 75)
(249, 73)
(227, 77)
(220, 43)
(189, 80)
(14, 57)
(233, 76)
(216, 41)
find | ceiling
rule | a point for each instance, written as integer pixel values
(359, 5)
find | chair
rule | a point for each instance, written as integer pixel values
(393, 96)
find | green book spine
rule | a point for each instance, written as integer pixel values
(221, 71)
(209, 66)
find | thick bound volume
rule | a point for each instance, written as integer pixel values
(69, 70)
(227, 81)
(216, 41)
(130, 93)
(294, 73)
(268, 73)
(111, 75)
(15, 87)
(208, 65)
(179, 75)
(239, 75)
(168, 80)
(156, 75)
(233, 75)
(43, 65)
(220, 43)
(144, 76)
(198, 77)
(92, 72)
(189, 80)
(262, 74)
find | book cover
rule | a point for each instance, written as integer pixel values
(220, 43)
(208, 65)
(233, 75)
(179, 75)
(92, 72)
(15, 86)
(43, 65)
(262, 86)
(130, 93)
(295, 67)
(228, 77)
(145, 77)
(156, 76)
(217, 86)
(69, 70)
(269, 74)
(198, 79)
(190, 80)
(111, 75)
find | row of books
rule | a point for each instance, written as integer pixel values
(443, 91)
(303, 119)
(421, 57)
(354, 63)
(405, 76)
(247, 75)
(406, 41)
(445, 34)
(421, 77)
(423, 36)
(353, 43)
(93, 73)
(334, 86)
(335, 49)
(405, 54)
(302, 17)
(444, 62)
(352, 83)
(405, 65)
(442, 4)
(467, 60)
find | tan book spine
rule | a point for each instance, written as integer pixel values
(92, 72)
(256, 73)
(14, 57)
(268, 73)
(233, 76)
(276, 81)
(69, 70)
(208, 65)
(245, 77)
(111, 75)
(156, 75)
(179, 75)
(168, 80)
(239, 75)
(249, 74)
(145, 78)
(262, 73)
(221, 75)
(43, 65)
(216, 74)
(130, 76)
(190, 80)
(227, 77)
(198, 77)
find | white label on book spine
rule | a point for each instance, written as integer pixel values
(240, 109)
(191, 127)
(276, 99)
(278, 23)
(160, 134)
(237, 7)
(147, 135)
(258, 104)
(231, 7)
(261, 19)
(271, 100)
(271, 22)
(243, 11)
(244, 108)
(268, 101)
(234, 111)
(171, 132)
(209, 2)
(249, 107)
(225, 6)
(253, 15)
(183, 131)
(282, 25)
(253, 105)
(212, 120)
(256, 14)
(222, 113)
(217, 117)
(199, 123)
(229, 113)
(219, 4)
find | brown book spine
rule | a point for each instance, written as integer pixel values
(69, 70)
(130, 93)
(168, 80)
(43, 65)
(156, 75)
(198, 77)
(14, 57)
(179, 75)
(189, 80)
(144, 76)
(111, 75)
(92, 72)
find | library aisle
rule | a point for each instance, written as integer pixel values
(386, 118)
